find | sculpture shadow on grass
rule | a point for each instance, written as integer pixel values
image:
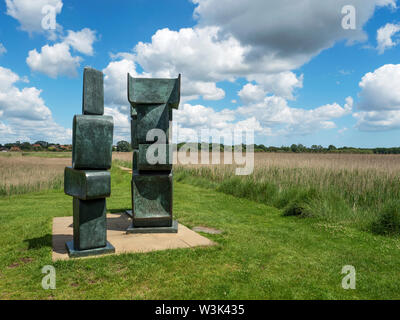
(48, 240)
(40, 242)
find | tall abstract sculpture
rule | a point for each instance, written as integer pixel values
(152, 101)
(88, 181)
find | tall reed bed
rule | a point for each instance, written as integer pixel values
(22, 174)
(350, 189)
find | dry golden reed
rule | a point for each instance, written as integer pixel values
(350, 187)
(22, 174)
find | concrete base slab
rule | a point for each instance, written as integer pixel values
(172, 229)
(117, 224)
(90, 252)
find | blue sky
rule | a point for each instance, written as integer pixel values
(287, 70)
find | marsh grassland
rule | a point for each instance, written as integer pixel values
(23, 172)
(362, 190)
(345, 188)
(287, 231)
(26, 173)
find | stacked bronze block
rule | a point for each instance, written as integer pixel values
(88, 181)
(152, 101)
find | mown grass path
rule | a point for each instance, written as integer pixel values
(260, 254)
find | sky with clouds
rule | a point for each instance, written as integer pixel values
(286, 69)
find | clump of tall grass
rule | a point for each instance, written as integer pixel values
(55, 183)
(388, 223)
(301, 204)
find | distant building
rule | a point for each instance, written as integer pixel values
(66, 147)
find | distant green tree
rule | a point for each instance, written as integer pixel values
(317, 148)
(44, 144)
(294, 148)
(26, 146)
(124, 146)
(301, 148)
(180, 145)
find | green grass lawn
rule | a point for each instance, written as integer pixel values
(260, 254)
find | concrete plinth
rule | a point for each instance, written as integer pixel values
(117, 224)
(171, 229)
(109, 248)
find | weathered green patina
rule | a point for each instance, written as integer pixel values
(134, 140)
(151, 117)
(92, 138)
(145, 91)
(87, 184)
(152, 101)
(109, 248)
(152, 199)
(135, 160)
(90, 226)
(87, 181)
(93, 92)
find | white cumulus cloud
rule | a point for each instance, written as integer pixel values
(285, 34)
(57, 60)
(273, 112)
(81, 41)
(197, 54)
(261, 41)
(115, 81)
(29, 13)
(380, 89)
(251, 93)
(281, 84)
(379, 106)
(191, 120)
(385, 35)
(54, 60)
(23, 113)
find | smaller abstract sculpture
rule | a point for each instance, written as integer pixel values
(152, 101)
(88, 181)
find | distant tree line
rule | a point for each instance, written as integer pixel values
(37, 146)
(125, 146)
